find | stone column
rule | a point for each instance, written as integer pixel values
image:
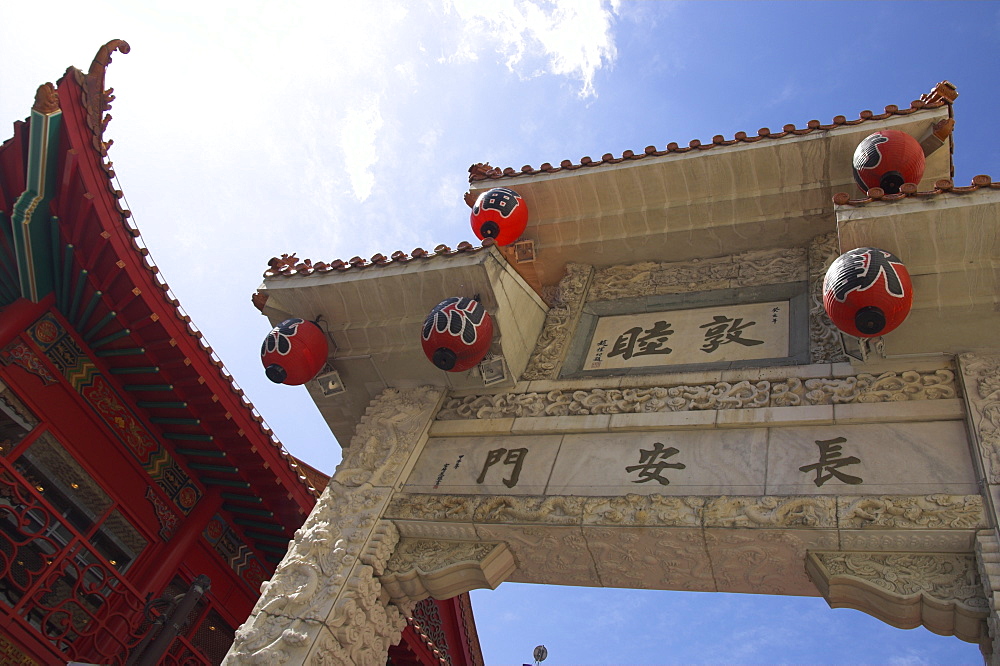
(325, 604)
(980, 374)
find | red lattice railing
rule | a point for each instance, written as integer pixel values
(55, 585)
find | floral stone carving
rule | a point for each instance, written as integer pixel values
(752, 268)
(824, 338)
(988, 563)
(981, 377)
(942, 591)
(324, 603)
(422, 568)
(790, 392)
(566, 305)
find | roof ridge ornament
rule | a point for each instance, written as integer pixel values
(96, 99)
(46, 100)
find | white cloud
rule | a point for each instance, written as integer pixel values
(909, 658)
(573, 37)
(358, 133)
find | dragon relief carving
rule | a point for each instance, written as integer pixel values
(379, 447)
(944, 576)
(926, 512)
(639, 510)
(746, 394)
(771, 511)
(981, 377)
(912, 511)
(824, 338)
(747, 563)
(324, 603)
(566, 304)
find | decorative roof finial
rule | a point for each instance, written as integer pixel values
(46, 99)
(96, 99)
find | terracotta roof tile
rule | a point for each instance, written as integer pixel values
(942, 94)
(288, 265)
(909, 191)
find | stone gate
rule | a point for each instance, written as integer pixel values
(665, 404)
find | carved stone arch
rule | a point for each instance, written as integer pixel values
(940, 591)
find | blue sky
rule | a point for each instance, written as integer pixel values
(246, 129)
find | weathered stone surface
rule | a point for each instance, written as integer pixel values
(566, 305)
(941, 591)
(792, 391)
(324, 603)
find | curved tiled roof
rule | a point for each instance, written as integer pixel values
(909, 191)
(96, 101)
(288, 264)
(942, 94)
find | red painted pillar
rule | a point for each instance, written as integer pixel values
(160, 568)
(16, 317)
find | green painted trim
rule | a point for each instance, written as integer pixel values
(95, 298)
(250, 511)
(175, 420)
(131, 351)
(222, 469)
(202, 453)
(149, 387)
(107, 319)
(261, 536)
(110, 338)
(140, 370)
(247, 522)
(198, 437)
(231, 483)
(30, 220)
(270, 549)
(156, 404)
(81, 282)
(252, 499)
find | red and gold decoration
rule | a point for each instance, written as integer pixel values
(867, 292)
(293, 352)
(500, 214)
(457, 334)
(887, 159)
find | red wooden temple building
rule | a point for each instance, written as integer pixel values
(137, 481)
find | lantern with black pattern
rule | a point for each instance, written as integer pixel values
(867, 292)
(457, 334)
(293, 352)
(888, 159)
(500, 214)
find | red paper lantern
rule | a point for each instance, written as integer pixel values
(293, 352)
(867, 292)
(457, 334)
(500, 214)
(887, 159)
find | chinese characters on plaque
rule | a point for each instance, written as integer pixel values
(654, 462)
(703, 335)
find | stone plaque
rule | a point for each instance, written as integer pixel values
(739, 332)
(866, 459)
